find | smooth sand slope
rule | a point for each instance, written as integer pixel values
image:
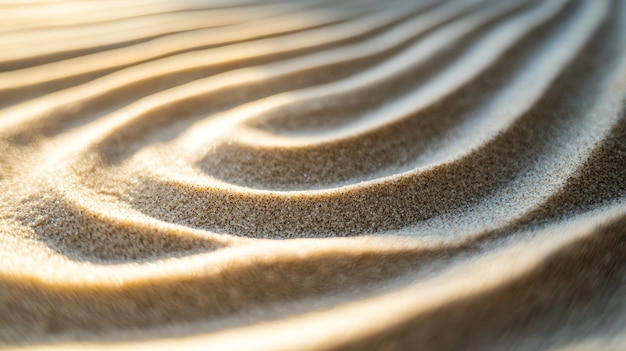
(313, 175)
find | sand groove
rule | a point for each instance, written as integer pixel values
(272, 174)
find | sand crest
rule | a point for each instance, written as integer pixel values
(313, 175)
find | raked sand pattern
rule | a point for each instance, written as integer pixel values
(313, 175)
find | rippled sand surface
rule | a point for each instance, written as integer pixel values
(313, 175)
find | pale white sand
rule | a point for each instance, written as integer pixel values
(309, 175)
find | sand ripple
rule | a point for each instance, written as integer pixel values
(450, 174)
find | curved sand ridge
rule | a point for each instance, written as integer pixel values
(450, 174)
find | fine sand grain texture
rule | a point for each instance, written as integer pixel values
(313, 174)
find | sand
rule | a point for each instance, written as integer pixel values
(313, 175)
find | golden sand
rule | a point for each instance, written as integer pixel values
(313, 175)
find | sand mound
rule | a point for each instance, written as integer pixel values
(313, 175)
